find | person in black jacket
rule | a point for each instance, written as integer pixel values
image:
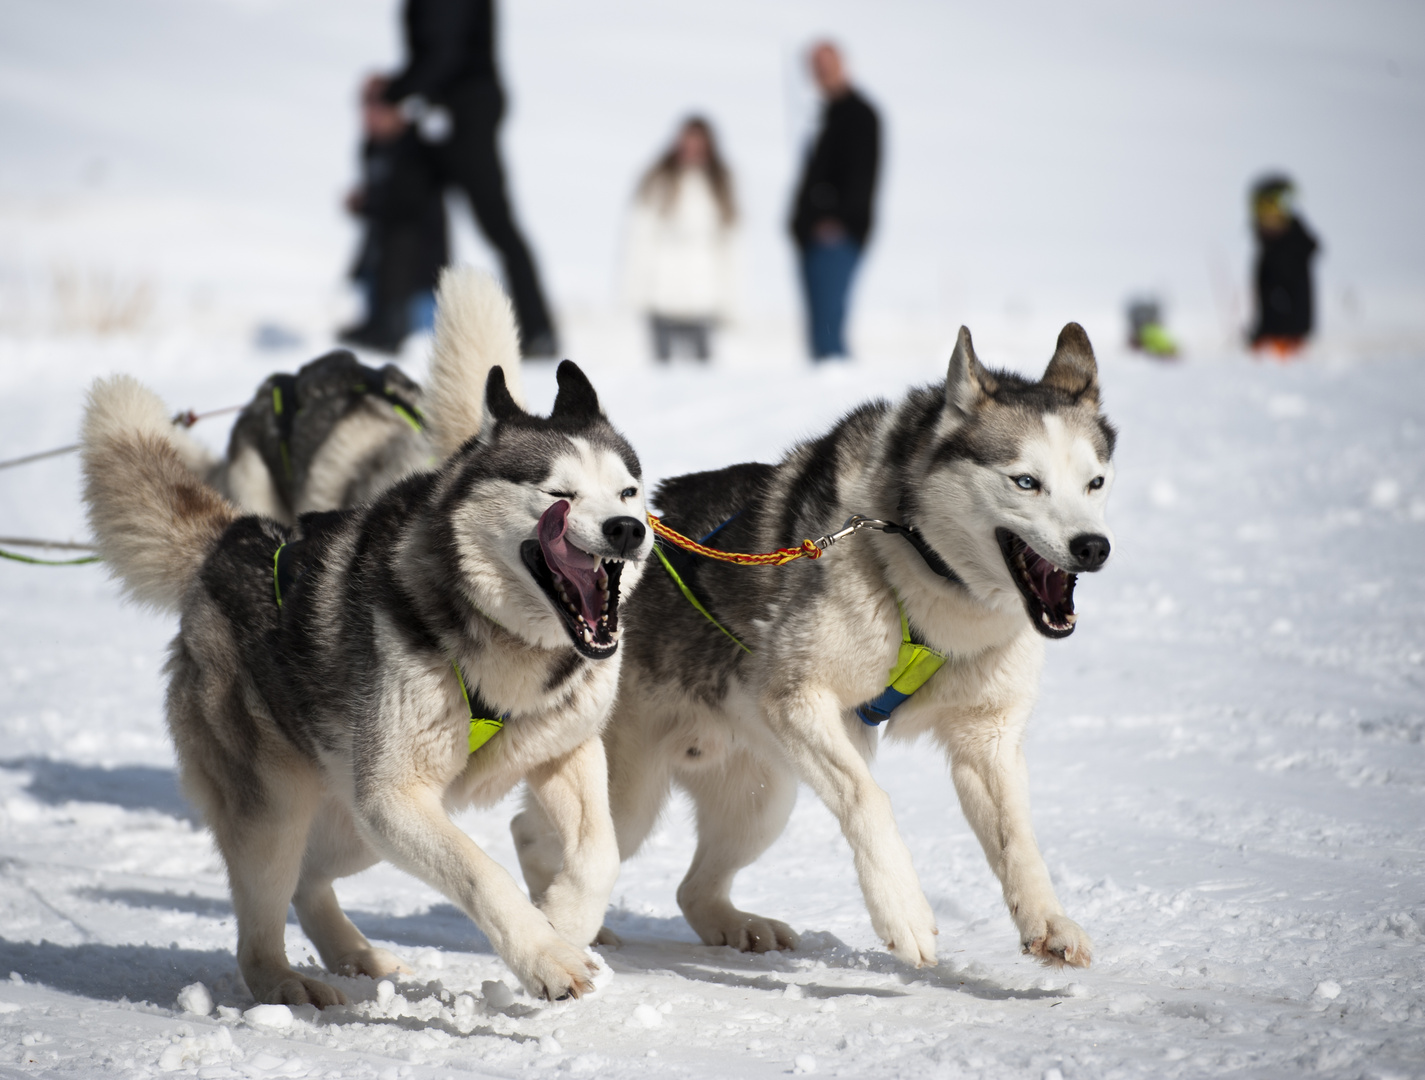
(831, 217)
(1285, 248)
(450, 62)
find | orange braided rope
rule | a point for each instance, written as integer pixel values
(780, 557)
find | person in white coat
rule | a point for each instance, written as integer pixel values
(680, 257)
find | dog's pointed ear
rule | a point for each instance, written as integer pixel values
(576, 399)
(1072, 368)
(499, 404)
(967, 383)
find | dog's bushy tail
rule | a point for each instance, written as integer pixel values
(474, 332)
(153, 520)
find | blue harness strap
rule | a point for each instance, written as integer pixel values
(915, 664)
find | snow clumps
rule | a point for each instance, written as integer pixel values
(274, 1017)
(196, 999)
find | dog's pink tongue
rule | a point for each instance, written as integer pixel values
(572, 568)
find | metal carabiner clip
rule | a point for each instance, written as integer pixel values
(854, 524)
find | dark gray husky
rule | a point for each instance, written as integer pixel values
(338, 686)
(334, 435)
(991, 490)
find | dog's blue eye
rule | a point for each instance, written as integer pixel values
(629, 493)
(1027, 483)
(1096, 483)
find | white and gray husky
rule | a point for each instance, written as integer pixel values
(334, 685)
(997, 486)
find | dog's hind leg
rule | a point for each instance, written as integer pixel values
(263, 846)
(742, 805)
(573, 791)
(992, 780)
(334, 849)
(258, 798)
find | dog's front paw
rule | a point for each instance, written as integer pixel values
(377, 963)
(725, 925)
(1058, 940)
(909, 930)
(558, 971)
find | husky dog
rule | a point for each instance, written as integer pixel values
(998, 487)
(333, 436)
(333, 683)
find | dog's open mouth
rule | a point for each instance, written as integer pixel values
(1048, 591)
(582, 587)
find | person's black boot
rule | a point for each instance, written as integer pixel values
(382, 331)
(369, 335)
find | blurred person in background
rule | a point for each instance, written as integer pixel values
(831, 216)
(450, 65)
(1285, 248)
(1148, 329)
(403, 246)
(680, 247)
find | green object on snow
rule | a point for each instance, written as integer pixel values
(1156, 341)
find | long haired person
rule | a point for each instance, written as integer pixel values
(680, 253)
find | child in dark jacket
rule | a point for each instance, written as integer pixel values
(403, 247)
(1285, 248)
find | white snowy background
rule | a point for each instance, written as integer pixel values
(1228, 760)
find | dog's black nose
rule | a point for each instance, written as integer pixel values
(1090, 550)
(626, 533)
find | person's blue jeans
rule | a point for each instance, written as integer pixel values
(827, 270)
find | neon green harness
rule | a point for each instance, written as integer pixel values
(482, 728)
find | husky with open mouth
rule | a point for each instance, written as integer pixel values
(996, 487)
(338, 686)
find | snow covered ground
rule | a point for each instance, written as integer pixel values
(1228, 761)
